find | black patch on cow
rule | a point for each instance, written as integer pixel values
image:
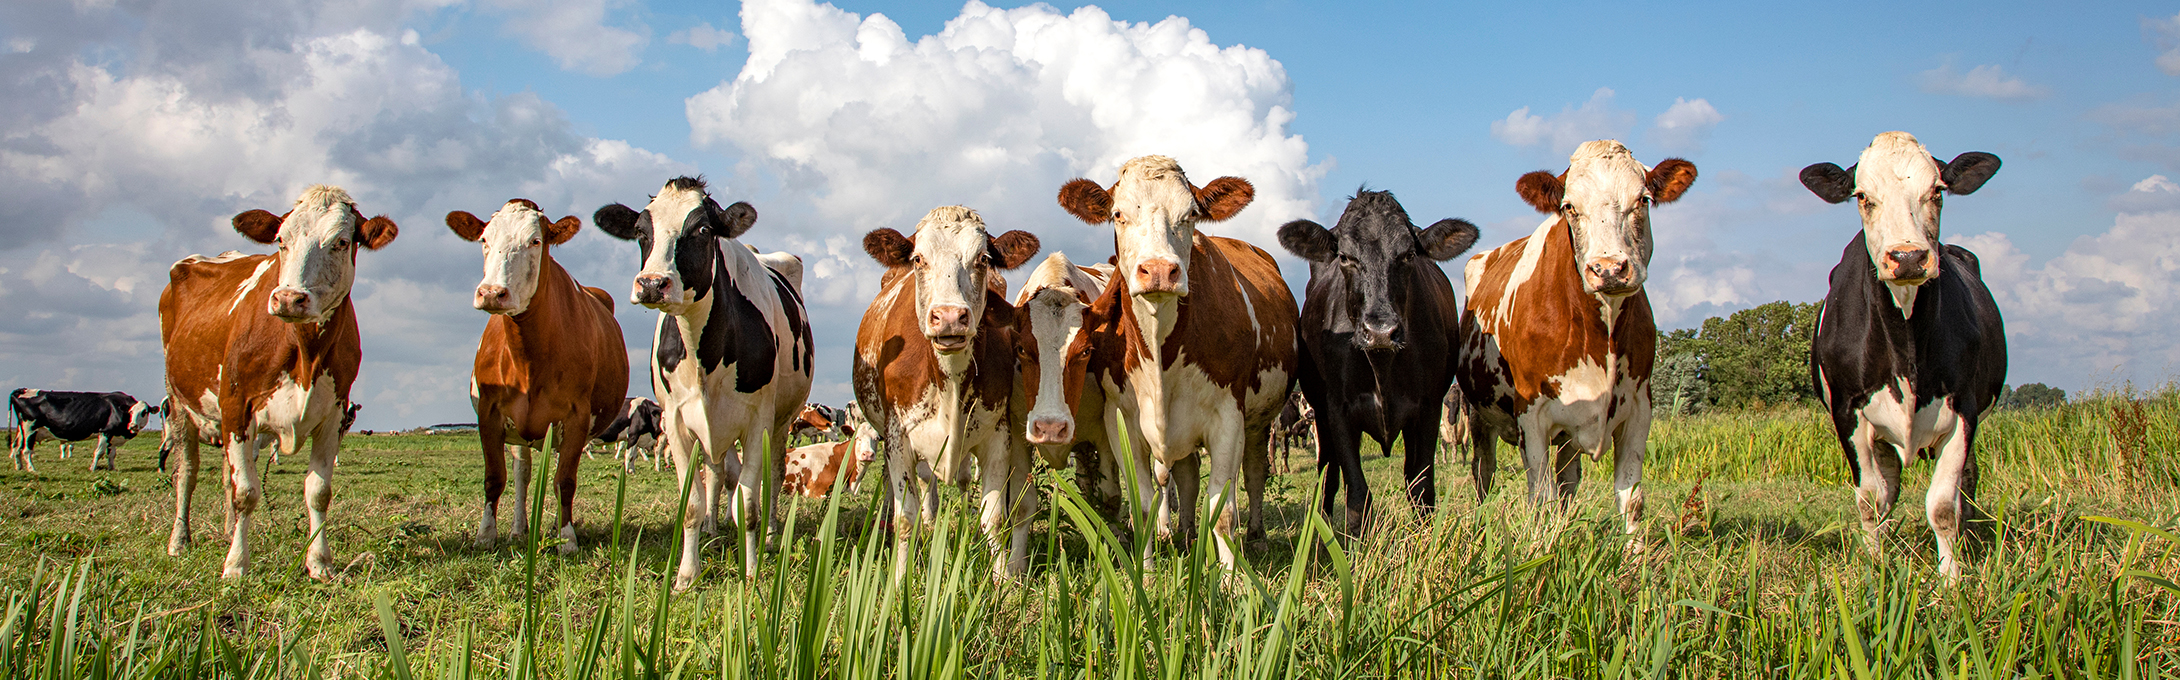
(670, 350)
(1829, 182)
(798, 330)
(73, 416)
(696, 253)
(737, 329)
(1968, 171)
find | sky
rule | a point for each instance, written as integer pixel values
(131, 131)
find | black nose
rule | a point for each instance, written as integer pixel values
(1377, 336)
(651, 288)
(1908, 263)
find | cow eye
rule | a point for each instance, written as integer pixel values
(1566, 207)
(915, 260)
(537, 240)
(340, 244)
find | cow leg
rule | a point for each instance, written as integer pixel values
(1000, 495)
(1183, 489)
(318, 496)
(1536, 461)
(1943, 502)
(1255, 463)
(243, 494)
(185, 486)
(1629, 445)
(719, 466)
(1419, 446)
(102, 449)
(679, 445)
(520, 524)
(495, 478)
(1879, 466)
(564, 470)
(1568, 465)
(753, 516)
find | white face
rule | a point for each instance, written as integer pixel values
(952, 266)
(139, 416)
(1154, 225)
(1900, 192)
(1052, 302)
(317, 243)
(670, 233)
(514, 256)
(1607, 208)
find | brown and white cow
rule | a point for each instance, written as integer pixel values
(1204, 328)
(1062, 418)
(267, 345)
(934, 371)
(1557, 335)
(815, 470)
(551, 355)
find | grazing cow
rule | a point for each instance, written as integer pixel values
(635, 429)
(1453, 424)
(934, 369)
(1910, 350)
(1200, 332)
(814, 422)
(112, 418)
(1557, 337)
(1062, 417)
(731, 363)
(1296, 427)
(551, 356)
(814, 470)
(267, 346)
(1379, 334)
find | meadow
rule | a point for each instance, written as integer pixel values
(1752, 565)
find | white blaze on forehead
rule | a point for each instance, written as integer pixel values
(1605, 185)
(1158, 213)
(952, 241)
(322, 213)
(323, 218)
(669, 218)
(510, 259)
(1899, 174)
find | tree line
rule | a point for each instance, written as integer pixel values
(1759, 358)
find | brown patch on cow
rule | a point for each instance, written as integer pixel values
(888, 247)
(1086, 201)
(559, 232)
(813, 471)
(1670, 179)
(1542, 190)
(904, 365)
(259, 225)
(1211, 328)
(465, 225)
(1553, 327)
(1224, 197)
(1012, 249)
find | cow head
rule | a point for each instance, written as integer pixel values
(1605, 198)
(864, 436)
(954, 261)
(1373, 251)
(139, 415)
(1900, 188)
(516, 242)
(317, 241)
(1048, 319)
(1154, 210)
(679, 232)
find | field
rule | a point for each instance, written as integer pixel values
(1752, 566)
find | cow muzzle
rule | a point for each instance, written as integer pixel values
(494, 298)
(290, 304)
(1051, 431)
(1377, 337)
(1611, 276)
(1908, 265)
(651, 289)
(1159, 277)
(949, 329)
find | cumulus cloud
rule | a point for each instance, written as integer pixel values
(1562, 132)
(1987, 81)
(2165, 33)
(1685, 125)
(574, 33)
(702, 36)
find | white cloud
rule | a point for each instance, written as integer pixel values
(702, 36)
(1685, 125)
(1563, 131)
(1988, 81)
(2166, 33)
(574, 33)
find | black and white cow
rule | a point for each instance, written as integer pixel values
(635, 430)
(110, 417)
(731, 364)
(1910, 350)
(1379, 331)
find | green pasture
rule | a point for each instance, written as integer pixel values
(1751, 566)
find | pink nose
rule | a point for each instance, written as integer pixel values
(1158, 276)
(290, 302)
(949, 320)
(1051, 431)
(491, 296)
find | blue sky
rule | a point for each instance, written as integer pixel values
(130, 134)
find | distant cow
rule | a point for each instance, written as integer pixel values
(816, 422)
(1910, 350)
(1557, 339)
(1380, 330)
(635, 429)
(934, 372)
(1065, 420)
(1200, 330)
(1296, 428)
(1453, 423)
(112, 418)
(731, 363)
(551, 356)
(267, 345)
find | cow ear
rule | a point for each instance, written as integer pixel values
(258, 225)
(377, 233)
(617, 221)
(559, 232)
(465, 225)
(1448, 238)
(1309, 240)
(1968, 172)
(1670, 179)
(1542, 190)
(1829, 182)
(1224, 197)
(1014, 248)
(888, 247)
(738, 218)
(1086, 201)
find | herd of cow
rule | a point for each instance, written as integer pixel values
(1181, 351)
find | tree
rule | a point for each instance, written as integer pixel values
(1754, 357)
(2032, 395)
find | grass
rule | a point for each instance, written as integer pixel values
(1752, 566)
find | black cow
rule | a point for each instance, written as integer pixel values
(1910, 350)
(636, 428)
(1379, 331)
(111, 417)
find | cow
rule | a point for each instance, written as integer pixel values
(113, 418)
(634, 430)
(1204, 330)
(1557, 337)
(267, 345)
(815, 470)
(1379, 331)
(551, 357)
(1910, 350)
(1296, 427)
(934, 372)
(1453, 424)
(1064, 420)
(814, 423)
(732, 360)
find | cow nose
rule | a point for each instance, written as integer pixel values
(1376, 336)
(949, 326)
(1158, 276)
(290, 302)
(651, 288)
(490, 296)
(1908, 262)
(1609, 271)
(1051, 431)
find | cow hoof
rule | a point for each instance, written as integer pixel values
(682, 584)
(1635, 546)
(567, 540)
(231, 572)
